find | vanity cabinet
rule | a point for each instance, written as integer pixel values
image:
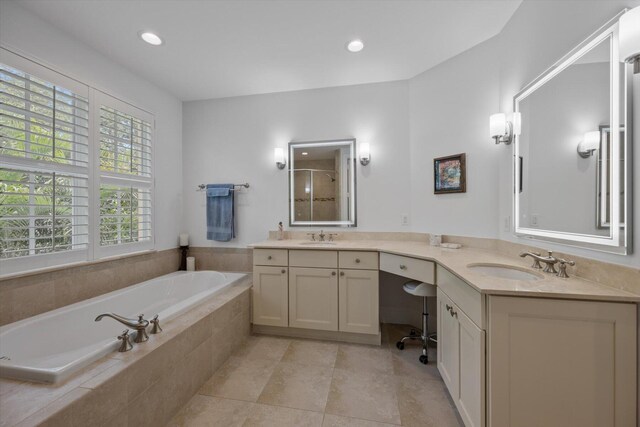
(270, 291)
(313, 298)
(561, 363)
(461, 350)
(359, 301)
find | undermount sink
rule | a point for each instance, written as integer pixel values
(505, 272)
(318, 243)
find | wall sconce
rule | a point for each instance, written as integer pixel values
(365, 154)
(503, 130)
(590, 143)
(629, 38)
(279, 158)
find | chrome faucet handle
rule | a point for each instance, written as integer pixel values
(126, 341)
(313, 236)
(156, 325)
(563, 267)
(550, 263)
(332, 235)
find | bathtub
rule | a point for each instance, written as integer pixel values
(51, 346)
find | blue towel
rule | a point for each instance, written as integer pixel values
(220, 212)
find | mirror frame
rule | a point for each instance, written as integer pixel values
(619, 240)
(352, 220)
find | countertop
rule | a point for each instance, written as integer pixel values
(457, 261)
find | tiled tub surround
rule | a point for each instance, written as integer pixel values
(27, 295)
(51, 346)
(145, 386)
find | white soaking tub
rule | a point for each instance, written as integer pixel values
(51, 346)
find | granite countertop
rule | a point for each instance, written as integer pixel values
(457, 261)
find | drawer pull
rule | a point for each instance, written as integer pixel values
(283, 271)
(333, 273)
(357, 260)
(269, 257)
(448, 307)
(453, 313)
(403, 267)
(342, 273)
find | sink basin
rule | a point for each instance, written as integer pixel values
(505, 272)
(318, 243)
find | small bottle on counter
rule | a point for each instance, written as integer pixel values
(280, 231)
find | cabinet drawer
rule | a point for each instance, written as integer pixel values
(463, 295)
(313, 259)
(358, 260)
(413, 268)
(270, 257)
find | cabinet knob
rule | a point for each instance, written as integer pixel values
(283, 271)
(403, 267)
(357, 260)
(342, 273)
(333, 273)
(269, 257)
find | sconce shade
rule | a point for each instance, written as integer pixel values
(497, 124)
(365, 153)
(630, 35)
(590, 142)
(278, 157)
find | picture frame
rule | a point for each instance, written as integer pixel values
(450, 174)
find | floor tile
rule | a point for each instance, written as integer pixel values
(370, 396)
(298, 386)
(338, 421)
(211, 411)
(407, 363)
(264, 347)
(311, 353)
(425, 403)
(275, 416)
(240, 378)
(364, 358)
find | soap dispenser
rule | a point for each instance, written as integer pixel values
(280, 231)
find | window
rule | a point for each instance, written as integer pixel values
(76, 180)
(125, 178)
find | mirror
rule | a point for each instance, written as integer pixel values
(322, 183)
(571, 178)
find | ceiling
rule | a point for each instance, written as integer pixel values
(222, 48)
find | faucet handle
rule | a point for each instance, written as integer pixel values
(156, 325)
(313, 236)
(332, 235)
(126, 341)
(562, 268)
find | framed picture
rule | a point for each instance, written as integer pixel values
(450, 174)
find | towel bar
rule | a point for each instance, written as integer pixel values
(202, 187)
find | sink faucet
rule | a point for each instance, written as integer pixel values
(139, 325)
(321, 235)
(549, 261)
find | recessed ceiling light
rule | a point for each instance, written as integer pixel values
(150, 38)
(355, 45)
(304, 153)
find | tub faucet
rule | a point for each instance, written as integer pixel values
(139, 325)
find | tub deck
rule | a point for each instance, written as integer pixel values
(156, 377)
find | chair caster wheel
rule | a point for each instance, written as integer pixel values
(424, 360)
(400, 345)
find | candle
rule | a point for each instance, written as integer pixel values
(191, 264)
(184, 239)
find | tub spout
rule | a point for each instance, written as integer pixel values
(140, 325)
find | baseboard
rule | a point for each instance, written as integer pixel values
(349, 337)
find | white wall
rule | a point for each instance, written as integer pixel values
(449, 108)
(25, 33)
(231, 140)
(540, 33)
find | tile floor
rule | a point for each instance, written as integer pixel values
(280, 382)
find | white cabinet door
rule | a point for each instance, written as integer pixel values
(448, 344)
(358, 300)
(470, 400)
(313, 298)
(561, 363)
(270, 296)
